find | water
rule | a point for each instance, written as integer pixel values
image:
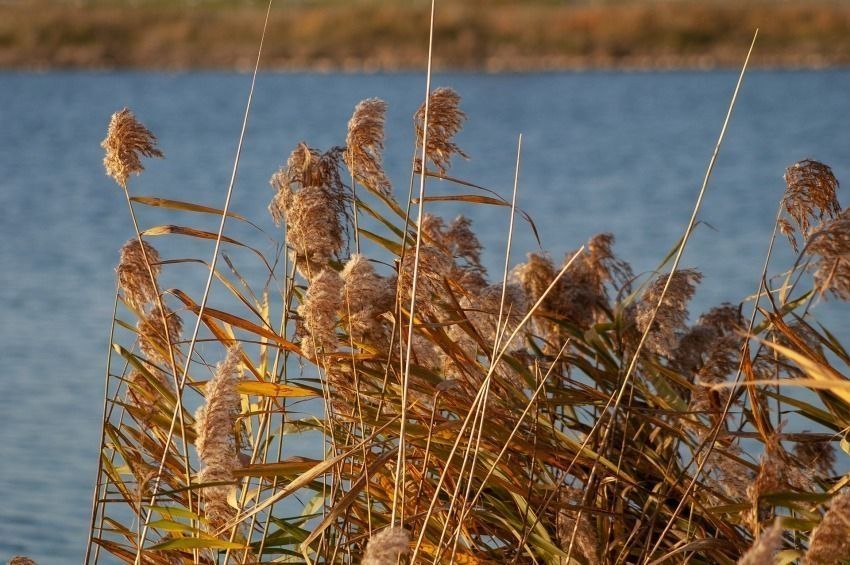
(621, 152)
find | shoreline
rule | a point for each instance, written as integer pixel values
(636, 35)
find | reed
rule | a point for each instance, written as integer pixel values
(293, 450)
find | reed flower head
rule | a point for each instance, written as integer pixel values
(154, 338)
(829, 246)
(711, 346)
(810, 195)
(126, 140)
(817, 455)
(585, 543)
(366, 296)
(364, 143)
(134, 279)
(445, 120)
(21, 560)
(319, 313)
(668, 323)
(830, 541)
(215, 425)
(310, 196)
(386, 546)
(764, 548)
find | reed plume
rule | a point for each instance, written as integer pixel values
(670, 319)
(830, 541)
(585, 543)
(816, 455)
(386, 547)
(126, 140)
(21, 560)
(310, 197)
(829, 246)
(765, 547)
(154, 338)
(445, 120)
(318, 313)
(134, 279)
(810, 196)
(366, 296)
(215, 425)
(364, 144)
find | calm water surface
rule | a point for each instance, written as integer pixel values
(616, 152)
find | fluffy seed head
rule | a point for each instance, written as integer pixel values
(810, 195)
(818, 455)
(366, 295)
(364, 143)
(764, 547)
(445, 120)
(669, 323)
(830, 541)
(319, 313)
(21, 560)
(126, 140)
(386, 546)
(310, 196)
(215, 425)
(134, 279)
(829, 246)
(585, 543)
(153, 339)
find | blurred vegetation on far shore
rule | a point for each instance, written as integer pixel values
(358, 35)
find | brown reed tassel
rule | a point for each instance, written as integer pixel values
(810, 195)
(133, 276)
(829, 246)
(311, 198)
(319, 314)
(126, 140)
(364, 143)
(586, 542)
(445, 120)
(152, 335)
(830, 541)
(669, 323)
(386, 546)
(366, 296)
(215, 425)
(764, 548)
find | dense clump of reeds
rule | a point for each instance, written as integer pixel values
(462, 418)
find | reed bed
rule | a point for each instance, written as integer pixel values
(379, 397)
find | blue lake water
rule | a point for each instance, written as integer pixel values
(619, 152)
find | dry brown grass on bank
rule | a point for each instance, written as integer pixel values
(469, 35)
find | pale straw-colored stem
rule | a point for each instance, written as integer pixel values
(400, 461)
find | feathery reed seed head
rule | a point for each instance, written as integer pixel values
(663, 335)
(366, 295)
(153, 341)
(810, 195)
(215, 425)
(318, 312)
(445, 120)
(310, 196)
(134, 279)
(764, 548)
(21, 560)
(126, 140)
(829, 246)
(386, 546)
(364, 143)
(830, 540)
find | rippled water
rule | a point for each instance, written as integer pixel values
(620, 152)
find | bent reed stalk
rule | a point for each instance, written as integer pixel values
(390, 403)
